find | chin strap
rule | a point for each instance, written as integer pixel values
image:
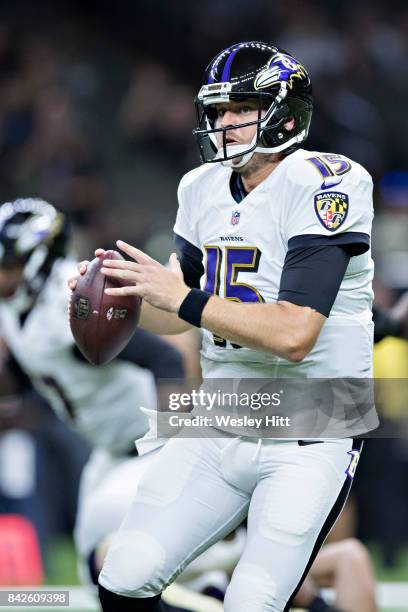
(238, 162)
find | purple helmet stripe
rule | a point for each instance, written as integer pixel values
(226, 72)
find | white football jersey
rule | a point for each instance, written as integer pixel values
(102, 403)
(244, 247)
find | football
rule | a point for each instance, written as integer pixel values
(102, 324)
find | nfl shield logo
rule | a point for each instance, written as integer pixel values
(235, 217)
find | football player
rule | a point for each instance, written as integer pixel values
(103, 404)
(275, 268)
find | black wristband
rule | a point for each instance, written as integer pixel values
(193, 305)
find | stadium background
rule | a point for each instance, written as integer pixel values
(96, 112)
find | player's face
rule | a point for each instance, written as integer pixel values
(10, 279)
(233, 113)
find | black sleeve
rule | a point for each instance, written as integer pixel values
(354, 243)
(191, 261)
(20, 380)
(151, 352)
(385, 325)
(312, 276)
(315, 266)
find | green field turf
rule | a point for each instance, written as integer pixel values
(61, 566)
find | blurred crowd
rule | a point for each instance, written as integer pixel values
(96, 101)
(96, 113)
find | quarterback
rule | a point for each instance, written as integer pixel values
(275, 268)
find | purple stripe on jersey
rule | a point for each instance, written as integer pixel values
(226, 72)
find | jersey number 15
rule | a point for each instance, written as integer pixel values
(237, 259)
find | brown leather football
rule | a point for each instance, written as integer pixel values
(102, 324)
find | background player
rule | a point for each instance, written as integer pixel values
(103, 404)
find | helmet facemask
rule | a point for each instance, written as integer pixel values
(272, 114)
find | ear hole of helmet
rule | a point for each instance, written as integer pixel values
(290, 124)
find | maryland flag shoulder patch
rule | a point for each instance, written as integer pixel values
(331, 209)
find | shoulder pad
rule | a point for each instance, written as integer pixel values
(321, 170)
(194, 176)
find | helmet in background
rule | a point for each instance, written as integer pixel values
(33, 235)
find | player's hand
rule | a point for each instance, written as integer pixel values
(161, 287)
(82, 268)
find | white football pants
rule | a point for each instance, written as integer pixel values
(108, 487)
(198, 490)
